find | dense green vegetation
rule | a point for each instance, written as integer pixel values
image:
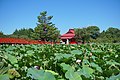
(60, 62)
(85, 34)
(111, 35)
(93, 34)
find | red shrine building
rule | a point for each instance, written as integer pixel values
(69, 37)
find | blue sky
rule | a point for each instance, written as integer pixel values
(17, 14)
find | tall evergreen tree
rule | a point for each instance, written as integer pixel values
(46, 30)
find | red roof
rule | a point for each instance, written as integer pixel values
(71, 31)
(70, 34)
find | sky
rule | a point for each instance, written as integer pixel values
(67, 14)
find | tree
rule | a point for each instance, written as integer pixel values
(94, 31)
(111, 35)
(77, 34)
(15, 32)
(23, 33)
(45, 30)
(82, 35)
(1, 34)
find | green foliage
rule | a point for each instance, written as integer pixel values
(111, 35)
(98, 68)
(1, 34)
(40, 74)
(45, 30)
(3, 69)
(117, 77)
(84, 34)
(11, 58)
(71, 75)
(92, 34)
(86, 71)
(76, 52)
(23, 33)
(67, 67)
(60, 62)
(94, 31)
(4, 77)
